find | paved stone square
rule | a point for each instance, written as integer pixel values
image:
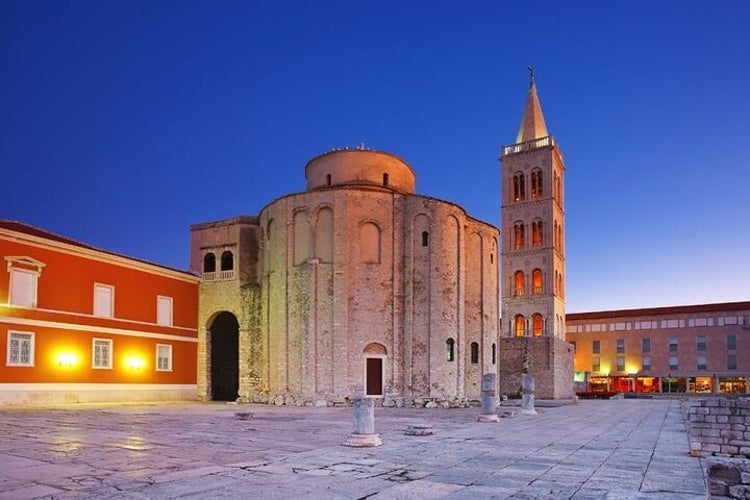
(615, 449)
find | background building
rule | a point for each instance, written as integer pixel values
(695, 349)
(357, 285)
(81, 324)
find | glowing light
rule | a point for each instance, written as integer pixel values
(632, 370)
(135, 363)
(66, 359)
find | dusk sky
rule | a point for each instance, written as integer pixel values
(124, 122)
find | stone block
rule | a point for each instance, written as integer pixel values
(739, 491)
(710, 432)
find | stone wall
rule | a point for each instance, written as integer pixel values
(719, 428)
(550, 363)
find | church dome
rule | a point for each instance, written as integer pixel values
(360, 167)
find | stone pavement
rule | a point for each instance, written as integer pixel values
(616, 449)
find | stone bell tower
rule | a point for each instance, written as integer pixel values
(532, 335)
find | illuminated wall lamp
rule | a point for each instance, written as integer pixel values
(66, 359)
(135, 363)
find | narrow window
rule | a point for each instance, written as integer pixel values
(22, 288)
(701, 362)
(646, 362)
(519, 187)
(519, 235)
(731, 342)
(227, 261)
(673, 363)
(536, 281)
(450, 350)
(596, 364)
(102, 354)
(620, 346)
(163, 358)
(474, 353)
(494, 354)
(425, 238)
(520, 326)
(701, 342)
(209, 263)
(385, 179)
(104, 300)
(492, 258)
(646, 344)
(537, 323)
(537, 239)
(731, 361)
(536, 184)
(328, 179)
(596, 347)
(620, 363)
(20, 349)
(672, 344)
(519, 284)
(163, 310)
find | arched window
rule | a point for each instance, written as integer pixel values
(324, 235)
(537, 325)
(519, 235)
(474, 352)
(519, 284)
(494, 354)
(537, 239)
(450, 350)
(519, 187)
(425, 238)
(536, 282)
(227, 261)
(209, 263)
(520, 326)
(536, 184)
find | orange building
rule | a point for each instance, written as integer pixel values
(79, 324)
(702, 348)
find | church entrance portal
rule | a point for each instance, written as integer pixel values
(374, 376)
(375, 355)
(225, 373)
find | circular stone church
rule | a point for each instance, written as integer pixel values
(355, 286)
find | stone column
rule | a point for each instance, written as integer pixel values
(527, 395)
(489, 399)
(364, 434)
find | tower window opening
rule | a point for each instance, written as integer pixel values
(519, 235)
(537, 239)
(536, 184)
(328, 179)
(209, 263)
(519, 187)
(425, 238)
(450, 350)
(536, 282)
(474, 353)
(520, 326)
(537, 325)
(385, 179)
(227, 261)
(519, 288)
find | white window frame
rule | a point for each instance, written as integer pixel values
(98, 312)
(108, 365)
(163, 302)
(169, 358)
(8, 360)
(22, 265)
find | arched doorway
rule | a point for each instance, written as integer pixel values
(225, 349)
(375, 355)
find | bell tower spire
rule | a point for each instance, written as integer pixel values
(533, 255)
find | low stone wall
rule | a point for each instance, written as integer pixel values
(719, 428)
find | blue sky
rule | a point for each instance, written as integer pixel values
(124, 122)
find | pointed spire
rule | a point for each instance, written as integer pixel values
(532, 124)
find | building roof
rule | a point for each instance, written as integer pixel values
(659, 311)
(20, 227)
(532, 124)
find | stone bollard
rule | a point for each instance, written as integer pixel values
(489, 400)
(364, 434)
(527, 395)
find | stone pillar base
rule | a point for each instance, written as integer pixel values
(488, 418)
(362, 440)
